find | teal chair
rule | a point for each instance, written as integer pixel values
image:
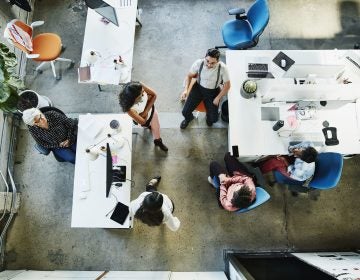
(261, 197)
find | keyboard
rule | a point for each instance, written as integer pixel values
(258, 67)
(260, 75)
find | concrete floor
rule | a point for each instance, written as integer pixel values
(174, 34)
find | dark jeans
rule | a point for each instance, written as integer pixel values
(67, 154)
(196, 95)
(232, 165)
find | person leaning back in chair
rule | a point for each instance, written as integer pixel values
(54, 131)
(210, 73)
(299, 165)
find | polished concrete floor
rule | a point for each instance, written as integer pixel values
(174, 34)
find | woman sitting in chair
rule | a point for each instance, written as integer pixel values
(237, 190)
(299, 165)
(53, 131)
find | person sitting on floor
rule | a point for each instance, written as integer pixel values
(299, 165)
(137, 100)
(154, 208)
(237, 188)
(54, 131)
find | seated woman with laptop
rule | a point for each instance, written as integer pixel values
(299, 165)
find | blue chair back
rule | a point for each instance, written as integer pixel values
(261, 197)
(328, 168)
(258, 16)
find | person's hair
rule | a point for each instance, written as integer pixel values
(242, 198)
(128, 95)
(309, 154)
(150, 212)
(29, 115)
(215, 53)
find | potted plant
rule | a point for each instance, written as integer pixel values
(10, 85)
(248, 89)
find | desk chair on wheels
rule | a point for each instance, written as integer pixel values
(244, 31)
(45, 47)
(328, 168)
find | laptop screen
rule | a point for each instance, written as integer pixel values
(104, 9)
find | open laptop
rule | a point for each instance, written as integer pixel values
(258, 68)
(103, 9)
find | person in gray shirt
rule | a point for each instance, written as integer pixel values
(209, 73)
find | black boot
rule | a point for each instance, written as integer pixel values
(160, 144)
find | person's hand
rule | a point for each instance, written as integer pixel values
(222, 178)
(64, 144)
(183, 95)
(216, 101)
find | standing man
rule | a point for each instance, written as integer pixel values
(209, 73)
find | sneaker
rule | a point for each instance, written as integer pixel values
(153, 183)
(211, 182)
(186, 122)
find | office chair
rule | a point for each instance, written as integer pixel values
(244, 31)
(261, 197)
(328, 168)
(45, 47)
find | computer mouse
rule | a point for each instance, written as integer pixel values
(283, 63)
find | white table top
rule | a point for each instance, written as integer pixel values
(110, 41)
(255, 137)
(90, 204)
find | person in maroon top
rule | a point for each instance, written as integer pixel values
(237, 188)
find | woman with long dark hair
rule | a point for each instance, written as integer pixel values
(138, 100)
(154, 208)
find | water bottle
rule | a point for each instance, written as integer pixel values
(279, 124)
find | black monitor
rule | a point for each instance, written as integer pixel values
(103, 9)
(109, 169)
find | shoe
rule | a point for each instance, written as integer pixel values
(211, 181)
(154, 181)
(186, 122)
(160, 144)
(209, 123)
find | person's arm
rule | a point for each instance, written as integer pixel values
(222, 93)
(187, 85)
(70, 125)
(173, 223)
(136, 117)
(226, 79)
(42, 142)
(150, 102)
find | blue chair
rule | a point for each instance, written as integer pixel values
(328, 168)
(244, 31)
(261, 197)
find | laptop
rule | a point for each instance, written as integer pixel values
(258, 68)
(103, 9)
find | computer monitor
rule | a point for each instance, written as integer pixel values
(109, 169)
(104, 9)
(322, 71)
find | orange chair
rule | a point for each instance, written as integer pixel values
(45, 47)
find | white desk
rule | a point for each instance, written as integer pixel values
(110, 41)
(90, 204)
(254, 137)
